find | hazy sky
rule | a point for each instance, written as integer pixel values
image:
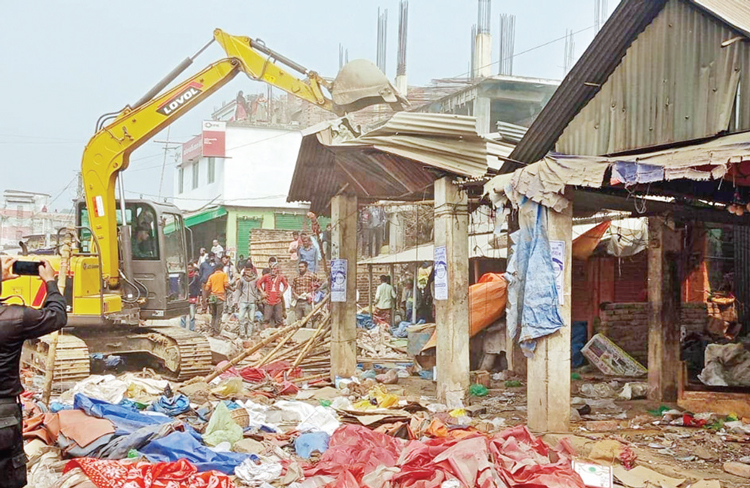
(65, 63)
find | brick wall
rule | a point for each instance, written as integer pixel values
(626, 324)
(265, 243)
(631, 278)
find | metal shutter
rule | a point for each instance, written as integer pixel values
(244, 226)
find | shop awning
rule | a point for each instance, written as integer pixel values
(545, 180)
(205, 216)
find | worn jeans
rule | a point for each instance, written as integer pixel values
(301, 310)
(183, 320)
(217, 310)
(247, 318)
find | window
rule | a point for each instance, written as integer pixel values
(175, 256)
(211, 170)
(181, 180)
(196, 173)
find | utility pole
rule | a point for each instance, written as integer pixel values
(167, 146)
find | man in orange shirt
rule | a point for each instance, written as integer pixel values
(217, 286)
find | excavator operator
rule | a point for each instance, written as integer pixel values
(18, 323)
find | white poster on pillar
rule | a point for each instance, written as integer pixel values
(557, 249)
(441, 273)
(338, 280)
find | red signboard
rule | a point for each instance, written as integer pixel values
(214, 139)
(192, 149)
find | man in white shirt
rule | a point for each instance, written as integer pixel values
(384, 297)
(217, 249)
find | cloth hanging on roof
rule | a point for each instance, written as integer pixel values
(532, 294)
(118, 474)
(628, 237)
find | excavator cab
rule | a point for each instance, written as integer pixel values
(159, 257)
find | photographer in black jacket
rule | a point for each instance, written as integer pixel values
(18, 323)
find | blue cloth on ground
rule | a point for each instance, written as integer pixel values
(364, 321)
(306, 444)
(531, 280)
(176, 405)
(125, 419)
(182, 445)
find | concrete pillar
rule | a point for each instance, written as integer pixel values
(483, 55)
(344, 314)
(482, 112)
(548, 379)
(664, 311)
(401, 85)
(452, 315)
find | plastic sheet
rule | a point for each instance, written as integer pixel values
(254, 473)
(182, 445)
(175, 405)
(229, 387)
(105, 388)
(126, 420)
(306, 444)
(221, 427)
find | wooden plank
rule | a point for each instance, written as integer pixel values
(344, 314)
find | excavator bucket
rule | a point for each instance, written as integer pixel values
(360, 84)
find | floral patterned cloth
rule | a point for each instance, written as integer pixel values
(119, 474)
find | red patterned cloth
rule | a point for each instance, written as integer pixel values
(118, 474)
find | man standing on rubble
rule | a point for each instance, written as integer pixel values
(303, 291)
(217, 286)
(272, 287)
(18, 323)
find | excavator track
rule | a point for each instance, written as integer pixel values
(187, 354)
(71, 361)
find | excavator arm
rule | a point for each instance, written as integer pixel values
(107, 153)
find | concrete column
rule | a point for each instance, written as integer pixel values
(401, 85)
(483, 55)
(664, 311)
(482, 109)
(344, 314)
(548, 379)
(452, 315)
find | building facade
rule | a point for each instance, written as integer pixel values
(25, 215)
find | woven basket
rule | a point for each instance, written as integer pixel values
(240, 417)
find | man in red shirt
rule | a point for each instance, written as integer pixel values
(272, 287)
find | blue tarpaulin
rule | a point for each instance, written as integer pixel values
(532, 293)
(171, 406)
(182, 445)
(125, 419)
(307, 444)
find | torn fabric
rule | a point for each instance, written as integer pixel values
(532, 294)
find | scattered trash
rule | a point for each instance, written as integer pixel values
(633, 391)
(478, 390)
(221, 427)
(596, 390)
(594, 475)
(641, 477)
(738, 469)
(513, 384)
(308, 444)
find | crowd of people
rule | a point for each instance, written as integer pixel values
(224, 288)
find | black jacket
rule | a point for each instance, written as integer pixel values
(18, 323)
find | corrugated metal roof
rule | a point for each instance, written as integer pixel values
(399, 160)
(593, 69)
(676, 83)
(606, 52)
(734, 13)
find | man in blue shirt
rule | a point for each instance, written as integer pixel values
(309, 254)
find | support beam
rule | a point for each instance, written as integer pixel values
(482, 112)
(664, 311)
(548, 380)
(452, 315)
(344, 324)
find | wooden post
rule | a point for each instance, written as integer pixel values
(344, 327)
(664, 311)
(369, 288)
(513, 354)
(49, 365)
(393, 285)
(548, 379)
(452, 315)
(414, 295)
(476, 270)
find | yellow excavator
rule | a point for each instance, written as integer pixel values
(117, 279)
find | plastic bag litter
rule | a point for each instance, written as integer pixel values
(633, 391)
(229, 387)
(478, 390)
(256, 470)
(143, 389)
(597, 390)
(171, 406)
(221, 428)
(311, 419)
(311, 442)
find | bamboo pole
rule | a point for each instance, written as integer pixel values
(252, 349)
(275, 349)
(49, 364)
(311, 341)
(310, 378)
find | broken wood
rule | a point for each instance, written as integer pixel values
(253, 349)
(311, 341)
(275, 349)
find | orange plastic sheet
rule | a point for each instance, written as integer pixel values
(585, 244)
(487, 300)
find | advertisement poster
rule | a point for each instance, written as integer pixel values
(214, 138)
(441, 273)
(558, 263)
(338, 280)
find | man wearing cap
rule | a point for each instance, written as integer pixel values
(18, 323)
